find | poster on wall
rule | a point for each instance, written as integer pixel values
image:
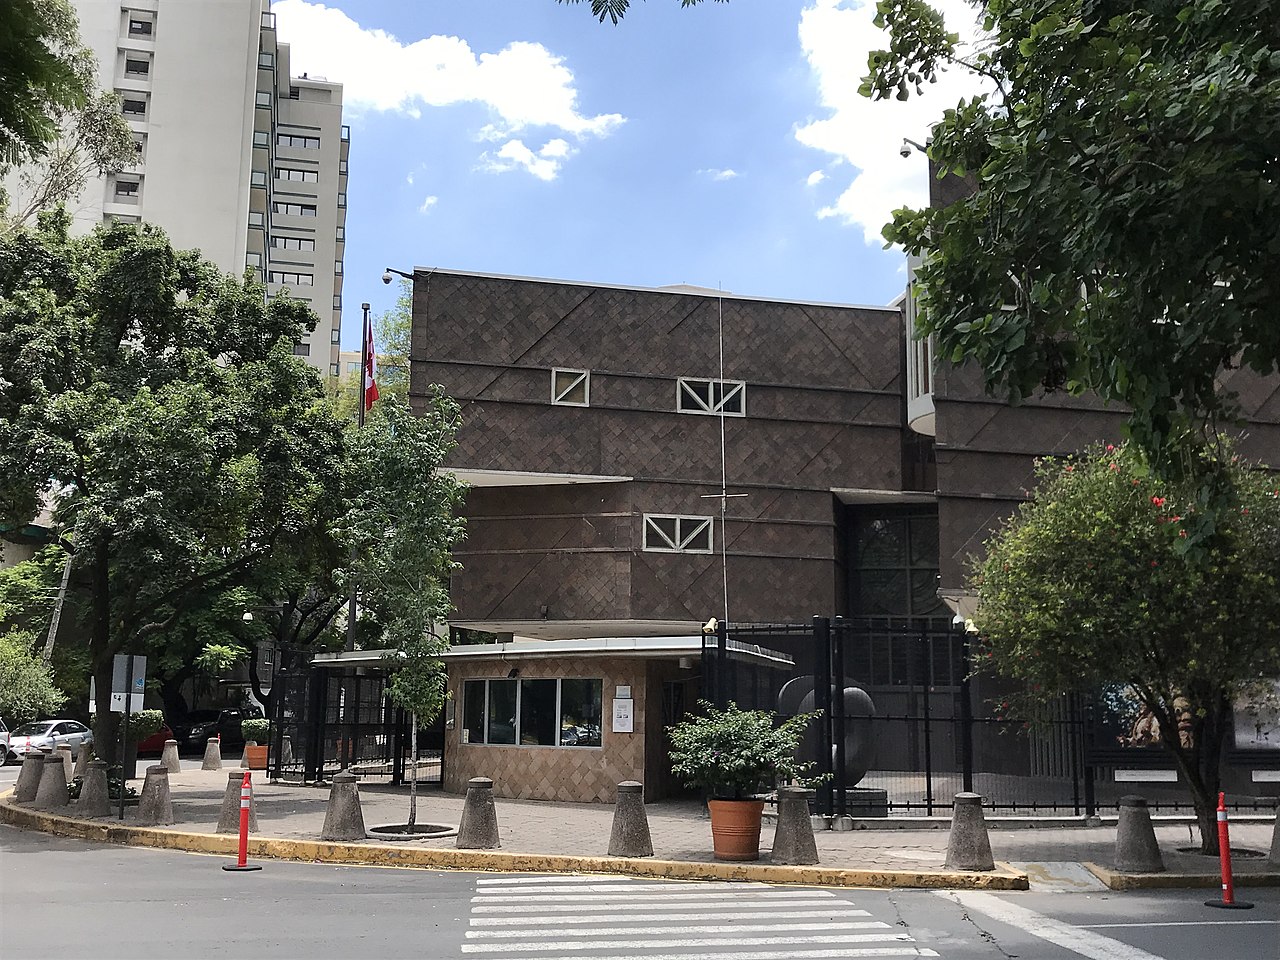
(1257, 720)
(623, 715)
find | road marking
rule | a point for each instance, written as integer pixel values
(842, 953)
(1177, 923)
(583, 889)
(669, 914)
(585, 878)
(1076, 939)
(652, 903)
(697, 928)
(656, 892)
(662, 942)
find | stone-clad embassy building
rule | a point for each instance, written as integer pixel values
(592, 436)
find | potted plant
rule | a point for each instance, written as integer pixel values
(255, 732)
(142, 726)
(735, 754)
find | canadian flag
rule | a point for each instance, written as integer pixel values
(370, 384)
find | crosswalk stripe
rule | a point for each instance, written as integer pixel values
(698, 913)
(844, 953)
(673, 903)
(661, 943)
(695, 928)
(551, 892)
(650, 893)
(557, 878)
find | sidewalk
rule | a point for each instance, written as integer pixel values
(681, 832)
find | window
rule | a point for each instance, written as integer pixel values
(894, 566)
(337, 301)
(337, 267)
(267, 60)
(126, 188)
(728, 397)
(532, 713)
(136, 68)
(293, 243)
(342, 166)
(302, 176)
(263, 98)
(353, 366)
(258, 178)
(140, 28)
(342, 199)
(134, 108)
(261, 138)
(297, 279)
(289, 140)
(341, 234)
(335, 336)
(302, 349)
(571, 388)
(293, 93)
(295, 209)
(333, 369)
(254, 260)
(677, 534)
(139, 142)
(257, 218)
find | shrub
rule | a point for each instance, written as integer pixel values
(144, 724)
(255, 729)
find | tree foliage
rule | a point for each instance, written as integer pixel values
(1087, 587)
(1121, 236)
(160, 403)
(615, 10)
(27, 687)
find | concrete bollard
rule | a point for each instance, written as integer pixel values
(229, 815)
(793, 841)
(212, 755)
(244, 754)
(343, 819)
(155, 806)
(478, 829)
(28, 778)
(95, 800)
(52, 790)
(1136, 847)
(1274, 857)
(630, 836)
(968, 847)
(82, 761)
(169, 757)
(63, 751)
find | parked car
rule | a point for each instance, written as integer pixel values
(154, 744)
(32, 737)
(4, 743)
(199, 725)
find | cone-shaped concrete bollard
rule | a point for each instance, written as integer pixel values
(1136, 847)
(1274, 857)
(793, 841)
(479, 827)
(63, 750)
(29, 778)
(343, 819)
(244, 755)
(229, 815)
(630, 836)
(82, 761)
(968, 847)
(212, 755)
(169, 757)
(52, 791)
(155, 806)
(94, 800)
(286, 750)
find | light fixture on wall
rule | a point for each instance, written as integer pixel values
(513, 673)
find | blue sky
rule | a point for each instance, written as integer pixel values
(720, 145)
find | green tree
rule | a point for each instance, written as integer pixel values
(27, 687)
(616, 9)
(1086, 587)
(159, 403)
(43, 72)
(401, 525)
(1120, 237)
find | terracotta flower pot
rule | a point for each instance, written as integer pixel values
(735, 828)
(257, 757)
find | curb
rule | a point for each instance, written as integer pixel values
(1003, 877)
(1176, 881)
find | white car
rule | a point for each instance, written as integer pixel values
(4, 742)
(33, 737)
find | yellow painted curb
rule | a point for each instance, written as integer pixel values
(1003, 877)
(1177, 881)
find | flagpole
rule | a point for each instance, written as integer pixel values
(350, 643)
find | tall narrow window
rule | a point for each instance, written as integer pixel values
(571, 387)
(669, 534)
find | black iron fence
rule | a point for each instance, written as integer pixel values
(904, 725)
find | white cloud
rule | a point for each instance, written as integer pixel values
(409, 179)
(716, 174)
(836, 36)
(544, 164)
(815, 178)
(524, 84)
(427, 204)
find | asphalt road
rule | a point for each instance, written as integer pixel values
(63, 898)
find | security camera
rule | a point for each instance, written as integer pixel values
(386, 276)
(904, 151)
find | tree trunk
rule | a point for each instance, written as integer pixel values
(175, 704)
(1200, 763)
(255, 682)
(413, 771)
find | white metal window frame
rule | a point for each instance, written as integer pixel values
(570, 379)
(688, 401)
(688, 529)
(559, 682)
